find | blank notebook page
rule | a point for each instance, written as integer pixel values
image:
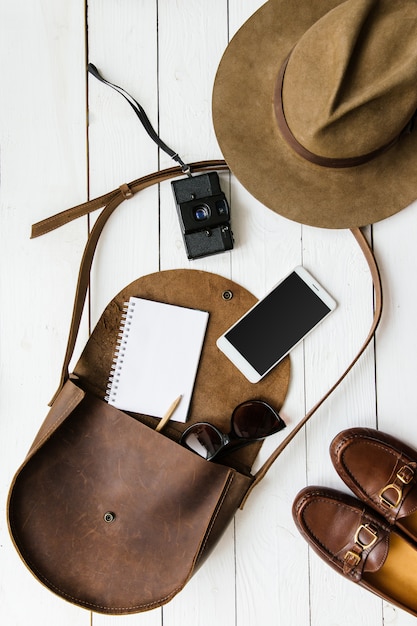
(157, 358)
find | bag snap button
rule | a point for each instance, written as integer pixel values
(109, 517)
(227, 295)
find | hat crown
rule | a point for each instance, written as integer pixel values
(350, 85)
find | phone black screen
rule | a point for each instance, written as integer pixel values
(277, 323)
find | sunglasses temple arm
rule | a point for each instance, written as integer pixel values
(376, 279)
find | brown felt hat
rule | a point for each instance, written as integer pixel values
(313, 107)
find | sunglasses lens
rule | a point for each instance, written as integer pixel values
(203, 439)
(255, 420)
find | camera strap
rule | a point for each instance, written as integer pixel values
(140, 112)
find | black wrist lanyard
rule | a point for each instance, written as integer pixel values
(140, 112)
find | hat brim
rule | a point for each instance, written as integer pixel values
(248, 135)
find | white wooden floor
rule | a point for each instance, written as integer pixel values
(53, 156)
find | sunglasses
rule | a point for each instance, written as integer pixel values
(252, 420)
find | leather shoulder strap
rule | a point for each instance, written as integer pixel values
(110, 202)
(124, 192)
(376, 279)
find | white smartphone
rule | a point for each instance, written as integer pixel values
(277, 323)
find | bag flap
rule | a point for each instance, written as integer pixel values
(112, 515)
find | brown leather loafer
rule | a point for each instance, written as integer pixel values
(382, 472)
(358, 543)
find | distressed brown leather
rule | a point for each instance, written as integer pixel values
(381, 471)
(165, 501)
(359, 544)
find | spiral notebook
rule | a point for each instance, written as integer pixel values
(157, 357)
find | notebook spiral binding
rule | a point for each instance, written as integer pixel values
(113, 380)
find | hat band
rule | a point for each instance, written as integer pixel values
(315, 158)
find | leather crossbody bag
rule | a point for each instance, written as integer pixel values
(105, 511)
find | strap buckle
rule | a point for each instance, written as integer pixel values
(352, 559)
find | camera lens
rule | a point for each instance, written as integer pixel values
(201, 212)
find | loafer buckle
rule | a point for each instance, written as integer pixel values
(365, 536)
(403, 477)
(351, 560)
(384, 498)
(405, 474)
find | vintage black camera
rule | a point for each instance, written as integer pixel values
(204, 215)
